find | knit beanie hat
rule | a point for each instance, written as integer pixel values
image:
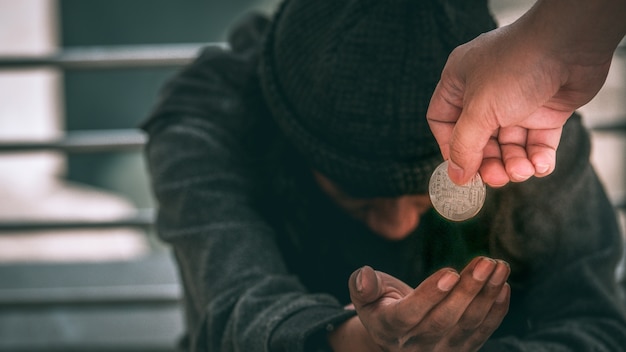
(349, 82)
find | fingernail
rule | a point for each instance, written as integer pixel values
(359, 282)
(455, 172)
(519, 177)
(499, 276)
(542, 168)
(504, 292)
(447, 281)
(483, 269)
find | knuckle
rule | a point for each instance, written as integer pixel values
(459, 338)
(470, 322)
(476, 341)
(423, 340)
(382, 337)
(485, 330)
(468, 289)
(441, 322)
(459, 147)
(393, 323)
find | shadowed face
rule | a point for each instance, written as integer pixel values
(391, 218)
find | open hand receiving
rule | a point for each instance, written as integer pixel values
(446, 312)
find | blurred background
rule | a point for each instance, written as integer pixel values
(80, 266)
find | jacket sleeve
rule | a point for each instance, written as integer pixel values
(561, 236)
(238, 294)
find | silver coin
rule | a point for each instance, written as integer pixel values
(456, 203)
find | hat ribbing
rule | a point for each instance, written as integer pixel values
(349, 82)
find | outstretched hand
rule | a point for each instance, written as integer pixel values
(504, 97)
(447, 311)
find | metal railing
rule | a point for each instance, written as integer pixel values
(113, 57)
(82, 142)
(96, 141)
(96, 303)
(148, 295)
(142, 219)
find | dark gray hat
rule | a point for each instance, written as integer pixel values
(349, 81)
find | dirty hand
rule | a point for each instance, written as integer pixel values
(446, 312)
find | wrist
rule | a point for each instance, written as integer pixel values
(351, 336)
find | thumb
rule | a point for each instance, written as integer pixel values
(365, 287)
(469, 138)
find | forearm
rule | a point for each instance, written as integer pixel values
(584, 32)
(238, 293)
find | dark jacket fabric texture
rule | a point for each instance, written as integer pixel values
(264, 256)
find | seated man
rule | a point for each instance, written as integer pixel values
(291, 172)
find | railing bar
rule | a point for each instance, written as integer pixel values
(91, 348)
(619, 127)
(16, 226)
(105, 295)
(126, 56)
(83, 142)
(134, 302)
(143, 219)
